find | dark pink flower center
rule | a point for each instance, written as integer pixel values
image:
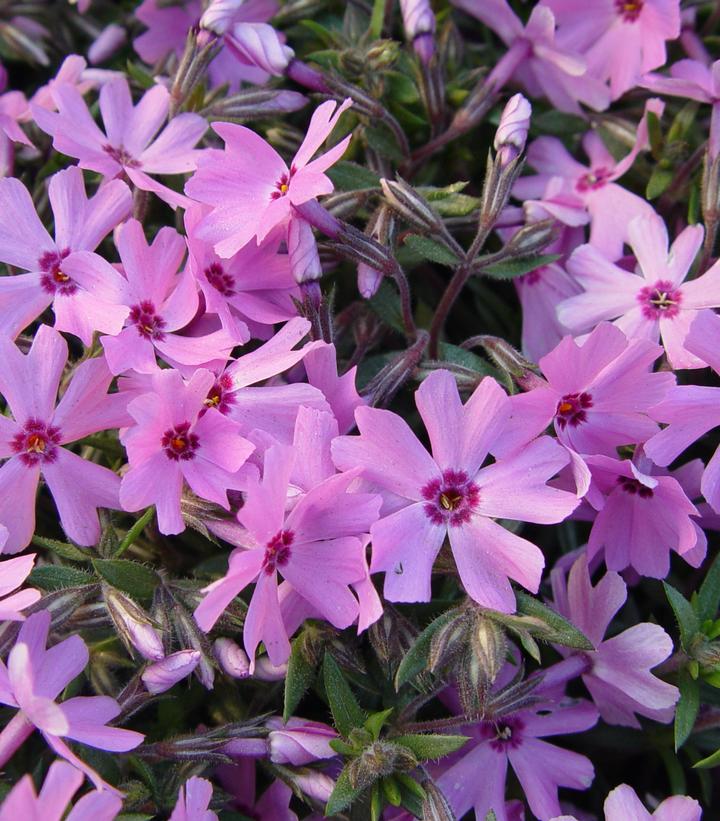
(533, 277)
(593, 179)
(277, 551)
(571, 409)
(220, 279)
(179, 443)
(660, 300)
(53, 280)
(633, 487)
(221, 395)
(121, 156)
(147, 322)
(504, 734)
(629, 10)
(452, 499)
(282, 186)
(37, 442)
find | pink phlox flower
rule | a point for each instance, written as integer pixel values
(131, 145)
(622, 804)
(33, 440)
(690, 411)
(316, 547)
(168, 28)
(321, 368)
(50, 804)
(656, 302)
(563, 184)
(618, 674)
(314, 433)
(299, 741)
(597, 393)
(240, 781)
(159, 303)
(536, 60)
(33, 679)
(62, 272)
(451, 494)
(251, 189)
(620, 39)
(642, 517)
(517, 739)
(194, 798)
(14, 109)
(13, 573)
(177, 438)
(73, 71)
(254, 286)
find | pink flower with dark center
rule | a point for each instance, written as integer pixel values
(31, 683)
(620, 39)
(61, 272)
(589, 189)
(450, 494)
(176, 438)
(160, 303)
(35, 439)
(131, 146)
(249, 187)
(316, 547)
(657, 301)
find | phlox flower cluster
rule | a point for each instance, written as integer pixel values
(437, 514)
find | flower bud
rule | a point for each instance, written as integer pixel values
(299, 741)
(220, 15)
(106, 44)
(314, 784)
(259, 45)
(379, 759)
(164, 674)
(232, 659)
(303, 251)
(252, 103)
(133, 625)
(531, 239)
(190, 636)
(410, 205)
(435, 807)
(368, 280)
(509, 359)
(265, 670)
(355, 245)
(512, 132)
(419, 23)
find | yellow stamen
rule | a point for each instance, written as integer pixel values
(36, 444)
(565, 407)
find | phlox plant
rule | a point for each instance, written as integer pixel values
(359, 406)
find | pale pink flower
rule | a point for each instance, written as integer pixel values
(657, 302)
(131, 145)
(250, 188)
(622, 804)
(164, 674)
(13, 573)
(193, 801)
(62, 272)
(34, 678)
(33, 440)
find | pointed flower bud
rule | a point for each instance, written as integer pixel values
(164, 674)
(410, 205)
(259, 45)
(219, 15)
(133, 625)
(419, 23)
(299, 741)
(232, 659)
(303, 251)
(106, 44)
(512, 132)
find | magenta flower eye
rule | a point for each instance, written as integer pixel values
(594, 179)
(629, 10)
(452, 499)
(277, 551)
(571, 409)
(149, 325)
(660, 300)
(36, 442)
(633, 487)
(180, 443)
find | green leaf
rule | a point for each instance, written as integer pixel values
(131, 577)
(416, 659)
(343, 795)
(687, 619)
(67, 551)
(468, 359)
(139, 75)
(658, 182)
(349, 176)
(300, 675)
(559, 629)
(511, 268)
(458, 205)
(377, 19)
(134, 533)
(386, 304)
(325, 35)
(708, 596)
(376, 722)
(381, 139)
(427, 747)
(711, 761)
(391, 788)
(655, 136)
(431, 250)
(347, 713)
(687, 708)
(58, 577)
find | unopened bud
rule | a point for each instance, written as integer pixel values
(133, 624)
(265, 670)
(489, 646)
(510, 360)
(253, 103)
(382, 55)
(379, 759)
(314, 784)
(232, 659)
(410, 205)
(303, 251)
(259, 45)
(450, 641)
(531, 239)
(435, 807)
(164, 674)
(368, 280)
(220, 15)
(190, 636)
(355, 245)
(419, 24)
(512, 132)
(106, 44)
(299, 741)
